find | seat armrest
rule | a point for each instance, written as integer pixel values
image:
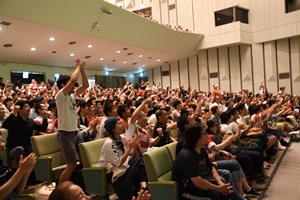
(43, 169)
(169, 189)
(95, 180)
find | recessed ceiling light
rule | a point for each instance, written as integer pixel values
(166, 61)
(72, 54)
(33, 49)
(114, 60)
(52, 39)
(7, 45)
(143, 65)
(125, 49)
(53, 51)
(72, 43)
(140, 56)
(0, 28)
(158, 60)
(118, 51)
(129, 54)
(125, 62)
(90, 46)
(87, 57)
(101, 58)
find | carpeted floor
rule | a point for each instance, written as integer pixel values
(285, 183)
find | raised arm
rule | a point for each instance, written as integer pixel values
(138, 110)
(85, 83)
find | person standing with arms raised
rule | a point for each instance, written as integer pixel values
(67, 135)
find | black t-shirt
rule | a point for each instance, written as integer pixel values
(5, 175)
(188, 164)
(166, 138)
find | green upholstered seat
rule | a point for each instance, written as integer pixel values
(158, 163)
(50, 158)
(94, 177)
(172, 150)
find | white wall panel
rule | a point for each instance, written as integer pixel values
(213, 66)
(283, 63)
(246, 68)
(198, 19)
(156, 75)
(193, 72)
(185, 14)
(203, 71)
(224, 69)
(235, 72)
(155, 9)
(164, 12)
(295, 63)
(270, 67)
(150, 76)
(258, 66)
(165, 79)
(183, 73)
(173, 14)
(174, 75)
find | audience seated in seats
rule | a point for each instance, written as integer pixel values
(109, 111)
(195, 173)
(161, 125)
(13, 184)
(40, 108)
(2, 115)
(124, 114)
(82, 109)
(124, 168)
(137, 125)
(33, 113)
(20, 128)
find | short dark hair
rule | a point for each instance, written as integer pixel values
(240, 107)
(192, 135)
(225, 116)
(176, 103)
(63, 79)
(21, 103)
(122, 109)
(7, 100)
(214, 109)
(108, 106)
(159, 113)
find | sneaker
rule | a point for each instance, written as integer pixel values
(253, 193)
(284, 143)
(280, 147)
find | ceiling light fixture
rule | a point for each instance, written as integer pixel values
(101, 59)
(0, 28)
(7, 45)
(118, 51)
(33, 49)
(90, 46)
(51, 38)
(143, 65)
(158, 60)
(140, 56)
(125, 62)
(72, 54)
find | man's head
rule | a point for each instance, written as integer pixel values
(124, 111)
(162, 116)
(62, 81)
(24, 109)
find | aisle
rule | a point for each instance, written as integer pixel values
(285, 183)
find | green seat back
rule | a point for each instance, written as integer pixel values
(158, 164)
(172, 150)
(48, 146)
(90, 152)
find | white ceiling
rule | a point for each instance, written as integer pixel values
(121, 29)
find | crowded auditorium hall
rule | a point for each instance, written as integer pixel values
(149, 99)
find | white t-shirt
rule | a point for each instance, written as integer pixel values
(110, 154)
(145, 143)
(66, 110)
